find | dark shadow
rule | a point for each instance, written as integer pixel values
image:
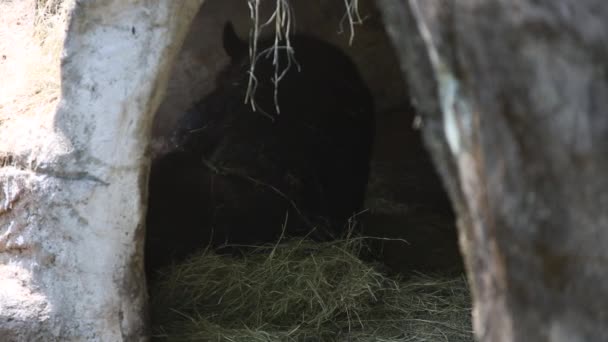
(236, 175)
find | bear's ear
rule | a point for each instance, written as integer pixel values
(233, 45)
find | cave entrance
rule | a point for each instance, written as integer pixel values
(334, 153)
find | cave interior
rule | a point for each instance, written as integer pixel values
(352, 157)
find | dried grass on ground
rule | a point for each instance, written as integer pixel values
(288, 292)
(31, 41)
(301, 290)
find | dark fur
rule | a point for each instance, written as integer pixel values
(314, 155)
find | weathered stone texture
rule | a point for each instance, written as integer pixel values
(513, 96)
(72, 207)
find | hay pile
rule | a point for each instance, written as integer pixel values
(301, 290)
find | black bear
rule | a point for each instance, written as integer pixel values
(244, 176)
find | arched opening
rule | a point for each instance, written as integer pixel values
(343, 158)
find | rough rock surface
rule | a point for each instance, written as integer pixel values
(515, 118)
(71, 207)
